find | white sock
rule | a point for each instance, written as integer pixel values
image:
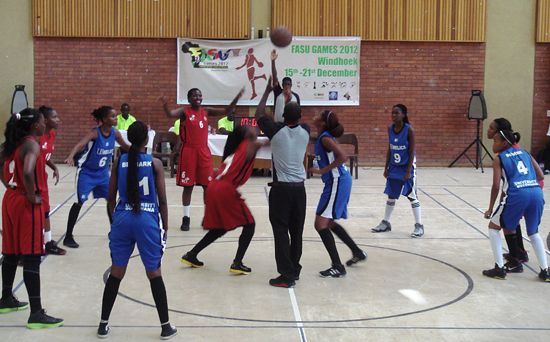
(186, 209)
(496, 246)
(48, 236)
(415, 205)
(538, 246)
(390, 204)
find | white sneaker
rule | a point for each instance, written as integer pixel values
(383, 226)
(418, 230)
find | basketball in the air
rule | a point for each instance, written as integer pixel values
(281, 36)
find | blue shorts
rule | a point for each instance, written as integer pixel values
(333, 203)
(527, 203)
(129, 228)
(87, 182)
(397, 187)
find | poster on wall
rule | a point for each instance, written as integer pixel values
(324, 70)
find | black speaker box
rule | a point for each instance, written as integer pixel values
(477, 110)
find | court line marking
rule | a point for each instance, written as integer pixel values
(62, 236)
(471, 205)
(469, 289)
(469, 224)
(389, 327)
(292, 294)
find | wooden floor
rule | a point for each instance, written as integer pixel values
(428, 289)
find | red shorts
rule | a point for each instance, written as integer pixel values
(195, 166)
(46, 203)
(22, 225)
(225, 208)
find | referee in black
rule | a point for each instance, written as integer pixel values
(287, 198)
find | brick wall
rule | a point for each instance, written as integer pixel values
(433, 79)
(541, 100)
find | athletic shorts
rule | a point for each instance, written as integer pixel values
(333, 203)
(143, 229)
(527, 203)
(46, 203)
(87, 183)
(22, 225)
(195, 166)
(224, 207)
(397, 187)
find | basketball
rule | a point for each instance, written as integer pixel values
(548, 241)
(281, 36)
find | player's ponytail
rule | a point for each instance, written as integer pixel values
(137, 135)
(332, 123)
(233, 141)
(18, 126)
(509, 136)
(503, 124)
(403, 110)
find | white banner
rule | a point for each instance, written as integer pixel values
(324, 70)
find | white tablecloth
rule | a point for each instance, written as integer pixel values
(149, 145)
(216, 143)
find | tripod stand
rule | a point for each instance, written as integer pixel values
(479, 144)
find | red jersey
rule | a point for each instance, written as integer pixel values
(194, 130)
(235, 168)
(40, 183)
(47, 142)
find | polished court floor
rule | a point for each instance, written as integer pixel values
(428, 289)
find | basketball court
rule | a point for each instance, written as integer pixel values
(408, 290)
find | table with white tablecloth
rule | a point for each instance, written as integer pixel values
(216, 144)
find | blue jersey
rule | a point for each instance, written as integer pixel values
(99, 154)
(399, 152)
(517, 170)
(146, 183)
(325, 158)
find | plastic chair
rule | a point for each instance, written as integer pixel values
(351, 139)
(166, 148)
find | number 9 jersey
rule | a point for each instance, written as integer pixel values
(399, 152)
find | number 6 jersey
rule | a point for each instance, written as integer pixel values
(99, 154)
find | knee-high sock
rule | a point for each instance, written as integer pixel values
(330, 245)
(519, 238)
(390, 204)
(109, 296)
(344, 236)
(496, 246)
(31, 277)
(244, 241)
(159, 295)
(73, 216)
(9, 267)
(210, 237)
(512, 242)
(538, 246)
(417, 212)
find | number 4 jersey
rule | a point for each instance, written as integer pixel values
(99, 154)
(517, 170)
